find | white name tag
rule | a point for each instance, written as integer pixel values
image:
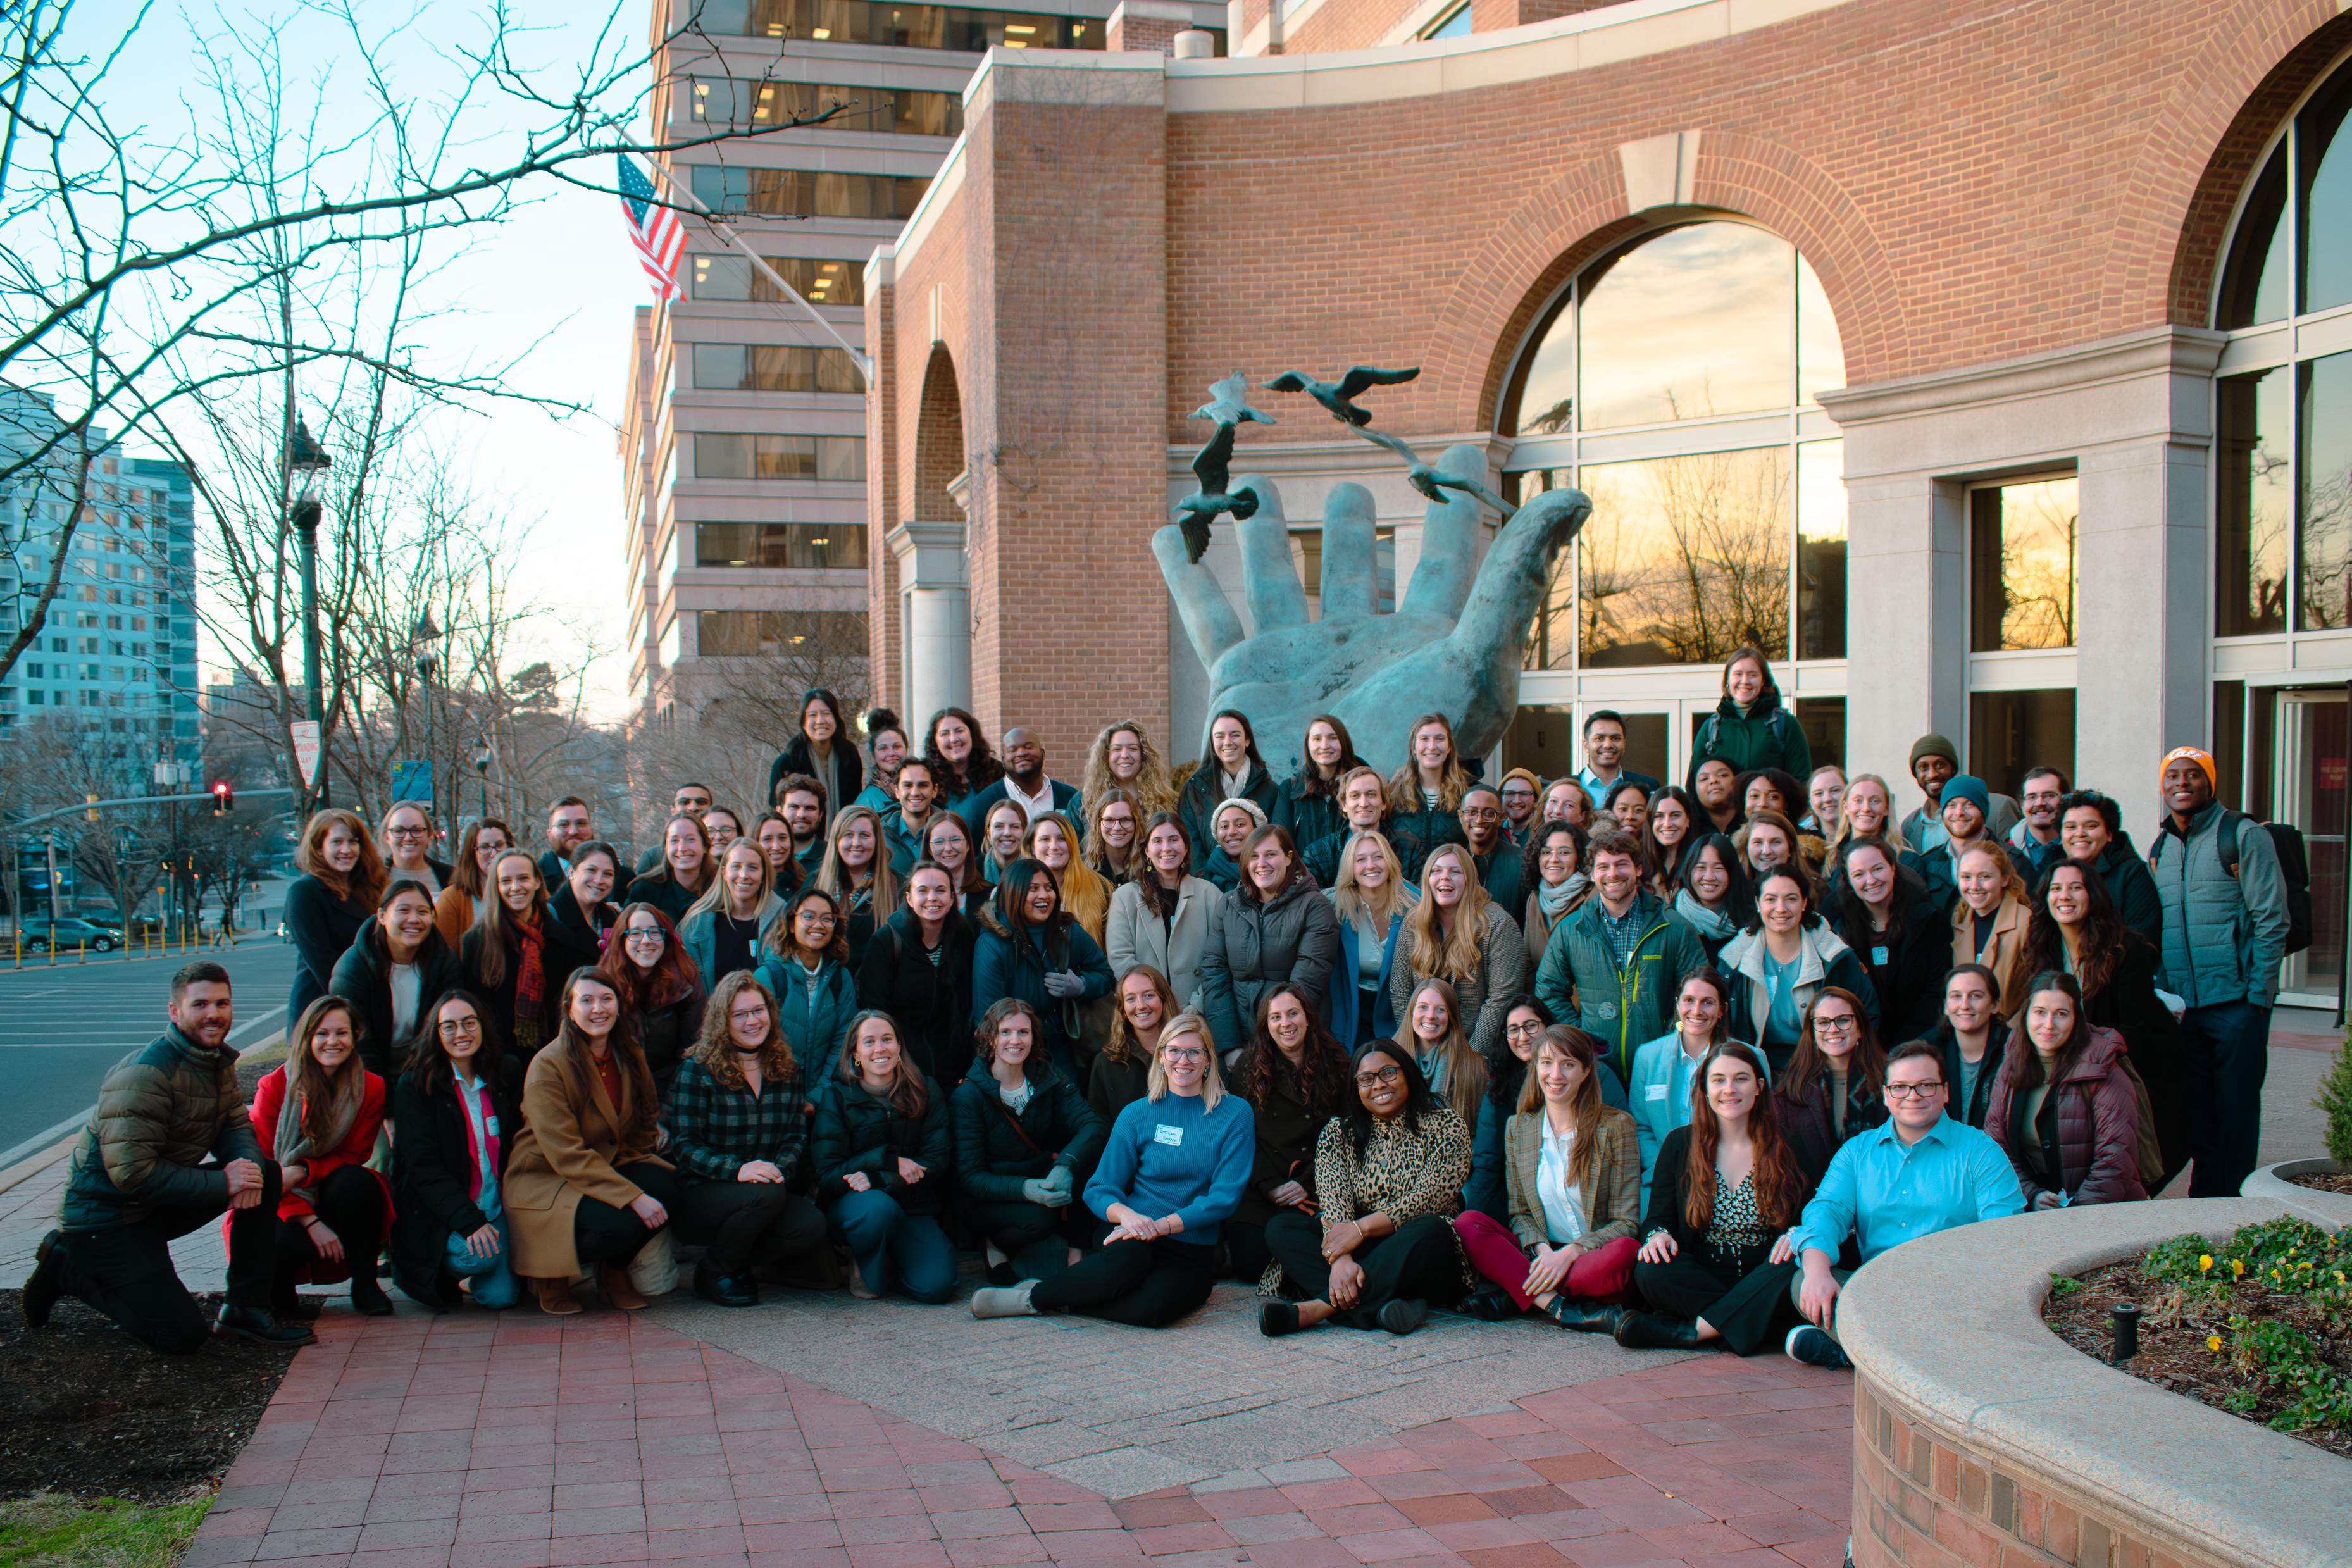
(1656, 1091)
(1171, 1136)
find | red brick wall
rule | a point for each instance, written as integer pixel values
(1972, 181)
(1071, 618)
(1924, 1499)
(1143, 35)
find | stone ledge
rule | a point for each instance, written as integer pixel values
(1980, 1437)
(2268, 1184)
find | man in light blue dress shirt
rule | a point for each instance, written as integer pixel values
(1919, 1173)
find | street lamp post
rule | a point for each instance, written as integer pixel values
(421, 639)
(172, 776)
(482, 769)
(306, 457)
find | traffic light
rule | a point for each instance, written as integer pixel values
(223, 798)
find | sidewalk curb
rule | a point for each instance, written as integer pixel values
(25, 1170)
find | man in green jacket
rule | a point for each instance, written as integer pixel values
(1614, 967)
(168, 1149)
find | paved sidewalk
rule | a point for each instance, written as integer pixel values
(470, 1441)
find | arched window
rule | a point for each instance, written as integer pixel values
(1676, 381)
(2284, 406)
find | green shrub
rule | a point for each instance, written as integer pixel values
(2335, 1098)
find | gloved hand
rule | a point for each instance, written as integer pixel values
(1059, 1179)
(1064, 982)
(1039, 1191)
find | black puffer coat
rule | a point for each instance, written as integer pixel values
(992, 1159)
(432, 1176)
(1292, 938)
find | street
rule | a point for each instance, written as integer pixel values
(62, 1027)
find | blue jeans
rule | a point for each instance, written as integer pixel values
(494, 1281)
(877, 1230)
(2228, 1049)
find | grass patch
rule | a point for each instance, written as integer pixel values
(47, 1530)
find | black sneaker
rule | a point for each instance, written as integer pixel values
(47, 1281)
(1004, 1275)
(725, 1290)
(1403, 1316)
(252, 1323)
(1814, 1347)
(1491, 1306)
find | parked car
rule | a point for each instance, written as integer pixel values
(145, 925)
(69, 933)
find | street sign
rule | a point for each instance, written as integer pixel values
(307, 751)
(412, 781)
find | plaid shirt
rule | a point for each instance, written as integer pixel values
(1625, 935)
(714, 1129)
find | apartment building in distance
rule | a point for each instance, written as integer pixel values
(116, 656)
(744, 444)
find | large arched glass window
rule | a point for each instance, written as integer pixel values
(2283, 410)
(1676, 381)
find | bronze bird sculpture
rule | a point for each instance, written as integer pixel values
(1195, 512)
(1339, 400)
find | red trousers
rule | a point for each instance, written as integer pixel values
(1605, 1273)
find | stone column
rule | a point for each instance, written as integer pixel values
(937, 614)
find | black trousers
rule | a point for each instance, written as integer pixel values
(1745, 1300)
(350, 1203)
(1418, 1261)
(1146, 1283)
(605, 1237)
(745, 1225)
(1246, 1253)
(1020, 1223)
(126, 1273)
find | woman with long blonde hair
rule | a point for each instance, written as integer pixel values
(1457, 934)
(1051, 840)
(1441, 1048)
(856, 871)
(736, 1132)
(1123, 757)
(1425, 794)
(1368, 898)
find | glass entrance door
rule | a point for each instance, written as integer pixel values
(2315, 746)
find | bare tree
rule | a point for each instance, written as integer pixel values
(742, 710)
(142, 270)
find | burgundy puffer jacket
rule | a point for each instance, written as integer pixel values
(2098, 1125)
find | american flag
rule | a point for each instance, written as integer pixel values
(653, 229)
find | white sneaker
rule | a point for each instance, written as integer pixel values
(859, 1288)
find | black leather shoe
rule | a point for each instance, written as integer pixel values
(1649, 1331)
(1275, 1318)
(47, 1281)
(369, 1297)
(1004, 1275)
(1402, 1317)
(251, 1323)
(1491, 1306)
(726, 1291)
(1585, 1317)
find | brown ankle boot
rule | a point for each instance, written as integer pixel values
(555, 1297)
(613, 1285)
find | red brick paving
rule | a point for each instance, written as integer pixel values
(519, 1442)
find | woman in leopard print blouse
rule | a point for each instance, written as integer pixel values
(1388, 1173)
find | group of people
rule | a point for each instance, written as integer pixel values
(1663, 1062)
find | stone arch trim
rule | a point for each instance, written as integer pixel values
(2201, 151)
(1560, 228)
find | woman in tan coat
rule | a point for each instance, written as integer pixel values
(1990, 921)
(585, 1187)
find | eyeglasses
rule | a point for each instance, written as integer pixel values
(1913, 1090)
(1379, 1076)
(1841, 1025)
(758, 1016)
(406, 833)
(1186, 1056)
(813, 918)
(1531, 1028)
(644, 933)
(461, 1025)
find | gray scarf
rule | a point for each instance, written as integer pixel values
(293, 1147)
(1707, 922)
(1554, 902)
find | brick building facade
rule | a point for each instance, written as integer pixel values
(2055, 461)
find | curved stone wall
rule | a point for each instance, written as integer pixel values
(1980, 1438)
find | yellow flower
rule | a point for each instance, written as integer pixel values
(2212, 1341)
(2205, 1262)
(2237, 1268)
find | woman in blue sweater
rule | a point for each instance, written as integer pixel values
(1172, 1173)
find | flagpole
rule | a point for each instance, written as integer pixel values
(865, 365)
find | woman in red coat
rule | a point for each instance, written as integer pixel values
(2063, 1109)
(316, 1115)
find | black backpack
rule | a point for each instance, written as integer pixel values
(2294, 866)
